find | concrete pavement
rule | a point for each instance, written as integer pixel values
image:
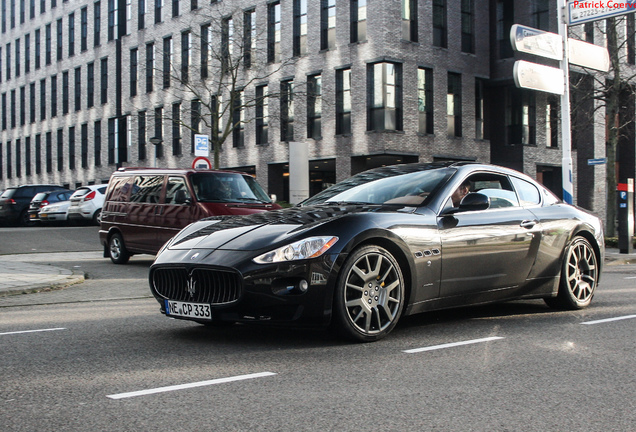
(23, 277)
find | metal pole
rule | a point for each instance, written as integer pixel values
(566, 135)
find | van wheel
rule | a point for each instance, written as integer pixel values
(117, 250)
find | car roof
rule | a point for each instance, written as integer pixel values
(163, 171)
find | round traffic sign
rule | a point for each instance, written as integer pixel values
(201, 162)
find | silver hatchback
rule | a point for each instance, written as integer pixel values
(87, 202)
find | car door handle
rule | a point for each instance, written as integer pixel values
(528, 224)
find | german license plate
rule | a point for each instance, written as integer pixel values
(199, 311)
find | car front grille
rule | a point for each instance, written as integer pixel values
(197, 285)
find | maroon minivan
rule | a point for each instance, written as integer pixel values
(145, 207)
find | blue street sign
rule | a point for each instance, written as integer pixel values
(597, 161)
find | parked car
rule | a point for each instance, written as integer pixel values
(87, 203)
(57, 212)
(144, 208)
(15, 201)
(43, 199)
(383, 244)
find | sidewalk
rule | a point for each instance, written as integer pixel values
(24, 277)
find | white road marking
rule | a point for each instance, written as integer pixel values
(631, 277)
(31, 331)
(609, 320)
(451, 345)
(188, 386)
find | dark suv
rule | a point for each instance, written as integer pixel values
(14, 202)
(43, 199)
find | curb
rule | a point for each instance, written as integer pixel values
(76, 277)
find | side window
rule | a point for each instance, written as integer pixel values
(146, 189)
(120, 189)
(496, 187)
(25, 192)
(175, 184)
(528, 193)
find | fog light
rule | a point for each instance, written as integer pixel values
(303, 285)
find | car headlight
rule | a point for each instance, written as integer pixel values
(311, 247)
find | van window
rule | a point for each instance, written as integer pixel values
(175, 184)
(146, 189)
(120, 189)
(227, 187)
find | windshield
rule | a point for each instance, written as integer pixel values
(227, 187)
(404, 185)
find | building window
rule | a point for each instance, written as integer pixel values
(3, 16)
(84, 145)
(32, 107)
(48, 45)
(60, 150)
(176, 129)
(42, 99)
(134, 64)
(27, 53)
(141, 135)
(27, 156)
(49, 152)
(541, 14)
(71, 148)
(37, 49)
(479, 109)
(60, 41)
(588, 32)
(227, 43)
(78, 88)
(97, 21)
(249, 37)
(384, 97)
(358, 21)
(521, 116)
(141, 15)
(150, 66)
(238, 120)
(287, 110)
(300, 27)
(425, 100)
(159, 131)
(18, 158)
(468, 26)
(22, 106)
(262, 115)
(343, 101)
(552, 122)
(65, 95)
(454, 105)
(328, 24)
(409, 20)
(98, 143)
(17, 57)
(273, 32)
(112, 18)
(4, 111)
(54, 96)
(14, 115)
(167, 60)
(630, 35)
(104, 80)
(206, 41)
(185, 56)
(84, 29)
(440, 26)
(38, 154)
(505, 18)
(158, 5)
(0, 64)
(9, 167)
(90, 85)
(195, 121)
(314, 107)
(8, 51)
(175, 8)
(71, 35)
(113, 126)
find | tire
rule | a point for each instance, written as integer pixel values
(24, 219)
(369, 295)
(579, 277)
(117, 250)
(97, 217)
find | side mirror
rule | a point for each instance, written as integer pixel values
(474, 201)
(273, 198)
(180, 197)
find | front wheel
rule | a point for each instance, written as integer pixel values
(117, 250)
(369, 295)
(579, 277)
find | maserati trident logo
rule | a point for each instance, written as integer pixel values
(191, 286)
(194, 256)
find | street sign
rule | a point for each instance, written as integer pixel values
(581, 12)
(201, 145)
(201, 163)
(588, 55)
(538, 42)
(597, 161)
(538, 77)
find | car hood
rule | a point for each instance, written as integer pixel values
(260, 230)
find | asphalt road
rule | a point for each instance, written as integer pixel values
(99, 356)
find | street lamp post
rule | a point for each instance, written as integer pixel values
(155, 141)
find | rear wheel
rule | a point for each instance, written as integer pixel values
(579, 277)
(370, 295)
(25, 219)
(97, 217)
(117, 250)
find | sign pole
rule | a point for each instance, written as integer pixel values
(566, 135)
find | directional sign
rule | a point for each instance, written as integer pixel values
(588, 55)
(597, 161)
(538, 42)
(580, 12)
(538, 77)
(201, 145)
